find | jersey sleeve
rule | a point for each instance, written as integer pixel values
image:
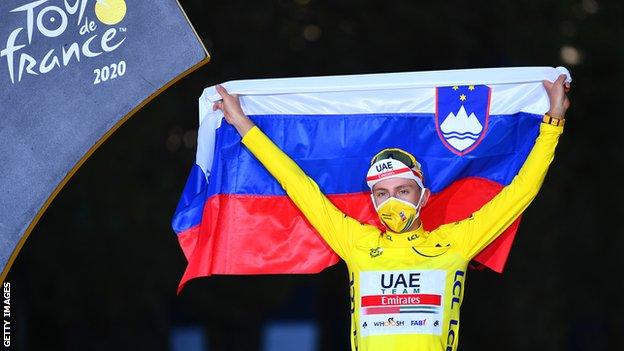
(335, 227)
(477, 231)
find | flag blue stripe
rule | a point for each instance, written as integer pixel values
(335, 150)
(191, 205)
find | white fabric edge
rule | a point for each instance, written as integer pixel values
(206, 136)
(381, 81)
(506, 99)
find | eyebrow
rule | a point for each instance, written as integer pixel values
(400, 187)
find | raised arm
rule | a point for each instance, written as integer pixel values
(483, 226)
(336, 228)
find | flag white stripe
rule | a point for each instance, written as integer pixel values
(410, 92)
(513, 90)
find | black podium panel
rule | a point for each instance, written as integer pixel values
(71, 71)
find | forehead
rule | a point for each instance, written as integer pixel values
(393, 183)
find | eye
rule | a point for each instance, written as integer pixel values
(404, 192)
(380, 194)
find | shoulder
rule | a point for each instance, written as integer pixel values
(367, 234)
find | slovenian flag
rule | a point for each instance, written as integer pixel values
(471, 130)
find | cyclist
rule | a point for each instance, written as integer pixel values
(406, 283)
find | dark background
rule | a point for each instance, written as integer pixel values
(100, 270)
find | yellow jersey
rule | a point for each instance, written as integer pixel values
(407, 288)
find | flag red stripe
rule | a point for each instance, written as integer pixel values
(233, 238)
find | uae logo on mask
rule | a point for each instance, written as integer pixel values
(462, 114)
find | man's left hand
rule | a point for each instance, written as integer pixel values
(559, 101)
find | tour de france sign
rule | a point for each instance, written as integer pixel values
(71, 72)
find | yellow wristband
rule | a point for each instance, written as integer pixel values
(553, 121)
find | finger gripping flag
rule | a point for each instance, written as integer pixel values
(471, 130)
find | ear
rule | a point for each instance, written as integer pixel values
(425, 197)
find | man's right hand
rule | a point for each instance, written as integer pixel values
(234, 115)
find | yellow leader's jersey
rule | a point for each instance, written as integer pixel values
(407, 288)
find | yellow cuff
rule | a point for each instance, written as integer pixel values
(550, 129)
(251, 135)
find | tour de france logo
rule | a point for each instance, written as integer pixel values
(55, 35)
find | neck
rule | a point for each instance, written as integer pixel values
(417, 223)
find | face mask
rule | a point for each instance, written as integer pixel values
(398, 215)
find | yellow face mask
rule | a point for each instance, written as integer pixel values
(398, 215)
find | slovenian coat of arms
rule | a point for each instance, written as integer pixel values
(462, 114)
